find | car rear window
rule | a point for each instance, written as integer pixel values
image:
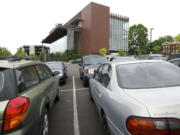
(7, 84)
(147, 75)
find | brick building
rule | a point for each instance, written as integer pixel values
(93, 28)
(171, 47)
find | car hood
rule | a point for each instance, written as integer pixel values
(160, 102)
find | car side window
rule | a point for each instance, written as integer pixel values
(26, 78)
(44, 72)
(98, 73)
(106, 75)
(176, 62)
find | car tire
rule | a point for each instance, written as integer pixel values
(105, 125)
(45, 122)
(86, 83)
(58, 96)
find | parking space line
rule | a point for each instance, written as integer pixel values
(68, 90)
(76, 123)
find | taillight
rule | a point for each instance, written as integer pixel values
(153, 126)
(15, 112)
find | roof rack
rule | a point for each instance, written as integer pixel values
(15, 58)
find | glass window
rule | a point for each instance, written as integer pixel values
(54, 66)
(94, 60)
(175, 62)
(7, 84)
(106, 73)
(44, 72)
(98, 73)
(26, 78)
(147, 75)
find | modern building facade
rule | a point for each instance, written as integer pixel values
(171, 47)
(93, 28)
(35, 49)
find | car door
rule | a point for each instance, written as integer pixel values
(49, 82)
(102, 87)
(94, 84)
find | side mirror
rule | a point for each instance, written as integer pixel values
(95, 71)
(56, 73)
(80, 64)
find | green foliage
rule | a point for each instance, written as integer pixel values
(121, 52)
(138, 38)
(20, 52)
(139, 51)
(34, 56)
(102, 51)
(161, 40)
(177, 38)
(4, 52)
(156, 48)
(66, 56)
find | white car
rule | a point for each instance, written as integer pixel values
(138, 97)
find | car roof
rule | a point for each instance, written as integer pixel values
(17, 64)
(138, 61)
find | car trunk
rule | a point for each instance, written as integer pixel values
(160, 102)
(3, 105)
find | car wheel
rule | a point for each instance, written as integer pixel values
(105, 125)
(58, 95)
(45, 123)
(86, 83)
(81, 77)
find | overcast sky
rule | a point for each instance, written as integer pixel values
(24, 22)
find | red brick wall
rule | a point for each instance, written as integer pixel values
(95, 28)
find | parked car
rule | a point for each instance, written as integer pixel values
(175, 62)
(123, 59)
(28, 90)
(61, 68)
(77, 61)
(173, 56)
(137, 97)
(88, 65)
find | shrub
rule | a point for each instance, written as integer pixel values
(121, 52)
(102, 51)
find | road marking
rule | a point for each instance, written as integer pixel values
(80, 89)
(76, 123)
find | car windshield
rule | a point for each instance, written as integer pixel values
(121, 59)
(147, 75)
(95, 60)
(7, 83)
(54, 66)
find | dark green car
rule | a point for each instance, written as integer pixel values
(28, 90)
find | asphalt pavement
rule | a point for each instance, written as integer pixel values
(74, 113)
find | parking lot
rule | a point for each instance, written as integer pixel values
(75, 113)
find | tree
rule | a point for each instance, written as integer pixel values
(177, 38)
(138, 39)
(121, 52)
(4, 52)
(156, 48)
(102, 51)
(20, 52)
(161, 40)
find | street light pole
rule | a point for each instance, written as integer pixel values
(151, 40)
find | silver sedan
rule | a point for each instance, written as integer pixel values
(138, 97)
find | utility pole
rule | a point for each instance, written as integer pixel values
(151, 40)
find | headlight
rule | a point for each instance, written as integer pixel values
(60, 75)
